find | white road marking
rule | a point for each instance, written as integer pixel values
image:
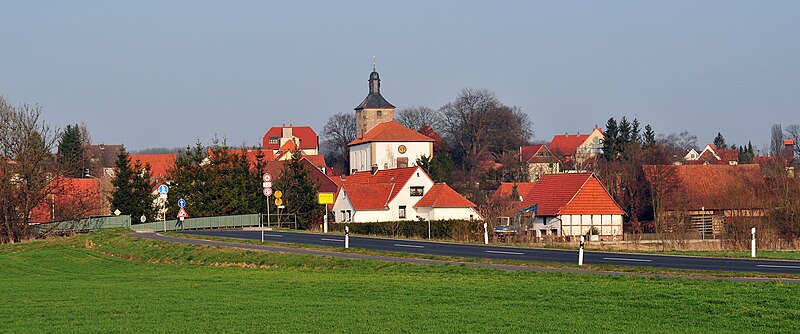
(409, 246)
(337, 240)
(273, 235)
(775, 266)
(624, 259)
(502, 252)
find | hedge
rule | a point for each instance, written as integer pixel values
(464, 230)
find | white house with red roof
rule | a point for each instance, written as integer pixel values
(282, 139)
(396, 195)
(712, 155)
(569, 205)
(539, 161)
(388, 145)
(578, 148)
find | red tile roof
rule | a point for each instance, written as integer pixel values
(288, 146)
(399, 177)
(160, 164)
(369, 196)
(693, 187)
(506, 189)
(567, 144)
(391, 131)
(438, 141)
(70, 196)
(442, 196)
(317, 160)
(308, 138)
(571, 194)
(536, 154)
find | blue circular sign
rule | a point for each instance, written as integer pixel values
(181, 203)
(163, 189)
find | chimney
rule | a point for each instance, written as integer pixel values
(374, 169)
(788, 149)
(286, 132)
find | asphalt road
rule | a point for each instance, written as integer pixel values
(513, 253)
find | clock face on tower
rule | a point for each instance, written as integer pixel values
(402, 149)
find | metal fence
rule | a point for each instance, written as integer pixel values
(83, 225)
(250, 220)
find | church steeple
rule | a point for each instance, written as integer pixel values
(374, 109)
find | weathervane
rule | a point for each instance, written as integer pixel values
(373, 63)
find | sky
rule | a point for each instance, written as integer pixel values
(167, 73)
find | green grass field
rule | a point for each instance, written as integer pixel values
(109, 282)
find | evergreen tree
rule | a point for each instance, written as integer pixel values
(624, 133)
(719, 141)
(70, 151)
(649, 138)
(132, 188)
(636, 137)
(610, 139)
(299, 192)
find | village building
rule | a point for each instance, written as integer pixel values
(400, 194)
(69, 199)
(278, 141)
(712, 155)
(567, 205)
(539, 161)
(382, 143)
(705, 197)
(578, 149)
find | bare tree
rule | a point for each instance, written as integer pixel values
(793, 131)
(337, 133)
(27, 167)
(776, 140)
(419, 116)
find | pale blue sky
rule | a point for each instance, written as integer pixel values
(164, 73)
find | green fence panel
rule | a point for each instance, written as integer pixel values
(201, 223)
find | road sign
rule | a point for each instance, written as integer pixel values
(142, 219)
(267, 177)
(267, 184)
(278, 194)
(325, 198)
(278, 202)
(163, 189)
(181, 203)
(268, 192)
(182, 213)
(117, 212)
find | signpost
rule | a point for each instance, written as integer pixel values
(181, 203)
(753, 243)
(267, 178)
(325, 199)
(142, 219)
(162, 193)
(182, 214)
(580, 253)
(117, 212)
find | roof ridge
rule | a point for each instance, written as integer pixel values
(576, 193)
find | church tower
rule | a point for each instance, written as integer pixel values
(374, 109)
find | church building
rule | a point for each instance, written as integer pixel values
(381, 143)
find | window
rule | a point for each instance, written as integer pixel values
(274, 140)
(349, 215)
(417, 191)
(380, 113)
(402, 162)
(402, 211)
(344, 218)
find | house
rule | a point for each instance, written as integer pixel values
(539, 161)
(280, 140)
(712, 155)
(569, 205)
(69, 198)
(705, 196)
(160, 164)
(388, 145)
(578, 148)
(400, 194)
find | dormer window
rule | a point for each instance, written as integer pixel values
(274, 140)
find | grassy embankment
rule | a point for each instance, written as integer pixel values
(109, 282)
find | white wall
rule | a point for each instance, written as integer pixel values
(361, 157)
(448, 213)
(419, 178)
(576, 225)
(386, 153)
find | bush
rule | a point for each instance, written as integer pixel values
(464, 230)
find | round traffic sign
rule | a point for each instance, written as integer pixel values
(278, 202)
(163, 189)
(267, 177)
(268, 192)
(278, 194)
(142, 219)
(181, 203)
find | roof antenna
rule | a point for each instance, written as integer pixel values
(373, 63)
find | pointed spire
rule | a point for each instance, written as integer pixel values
(373, 64)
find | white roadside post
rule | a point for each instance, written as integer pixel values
(429, 229)
(485, 234)
(580, 253)
(347, 237)
(753, 243)
(325, 222)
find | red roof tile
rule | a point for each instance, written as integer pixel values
(390, 131)
(442, 196)
(693, 187)
(288, 146)
(571, 194)
(567, 144)
(160, 164)
(397, 176)
(308, 138)
(369, 196)
(536, 154)
(317, 160)
(506, 189)
(70, 196)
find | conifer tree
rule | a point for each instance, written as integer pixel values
(649, 138)
(70, 151)
(719, 141)
(133, 189)
(610, 139)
